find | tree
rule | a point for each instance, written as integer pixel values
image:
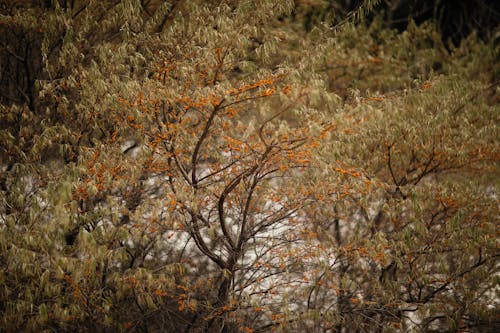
(204, 167)
(418, 223)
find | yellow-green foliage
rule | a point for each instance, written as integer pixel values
(207, 166)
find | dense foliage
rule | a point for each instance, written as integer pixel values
(244, 166)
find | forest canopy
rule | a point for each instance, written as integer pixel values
(249, 166)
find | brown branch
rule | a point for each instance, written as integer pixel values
(389, 164)
(221, 169)
(202, 246)
(255, 181)
(220, 205)
(436, 291)
(204, 134)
